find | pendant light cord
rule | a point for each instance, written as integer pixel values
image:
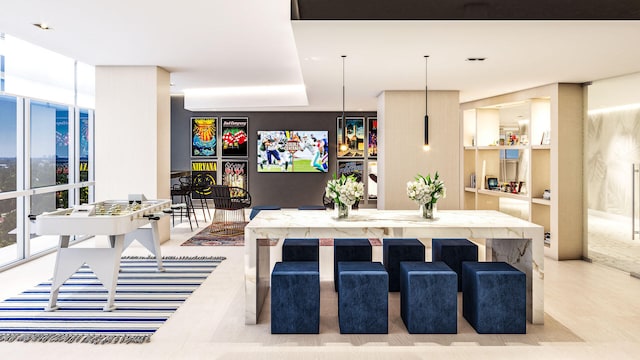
(426, 87)
(343, 119)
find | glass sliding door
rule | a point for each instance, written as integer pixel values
(612, 148)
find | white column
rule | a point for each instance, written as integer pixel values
(133, 134)
(400, 141)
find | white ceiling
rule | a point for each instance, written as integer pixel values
(253, 43)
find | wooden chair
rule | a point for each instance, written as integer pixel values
(228, 215)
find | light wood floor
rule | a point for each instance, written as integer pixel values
(592, 312)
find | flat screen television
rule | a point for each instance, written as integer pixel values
(293, 151)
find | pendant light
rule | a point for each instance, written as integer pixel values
(426, 146)
(343, 145)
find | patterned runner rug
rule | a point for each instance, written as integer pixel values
(206, 238)
(145, 299)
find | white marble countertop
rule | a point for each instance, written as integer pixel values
(474, 221)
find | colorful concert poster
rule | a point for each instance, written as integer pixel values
(351, 168)
(234, 136)
(203, 175)
(235, 174)
(351, 137)
(372, 180)
(203, 136)
(373, 137)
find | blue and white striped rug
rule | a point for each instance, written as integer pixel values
(145, 299)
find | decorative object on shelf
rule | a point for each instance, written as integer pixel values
(546, 195)
(345, 191)
(426, 146)
(546, 138)
(426, 191)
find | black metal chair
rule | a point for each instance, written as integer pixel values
(184, 206)
(229, 215)
(200, 186)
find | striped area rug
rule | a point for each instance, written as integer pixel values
(145, 299)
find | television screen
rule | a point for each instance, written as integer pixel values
(293, 151)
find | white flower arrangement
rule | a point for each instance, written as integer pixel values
(426, 190)
(345, 190)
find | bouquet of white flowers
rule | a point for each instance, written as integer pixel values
(345, 190)
(426, 190)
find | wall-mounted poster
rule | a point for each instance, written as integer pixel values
(293, 151)
(351, 137)
(372, 180)
(351, 168)
(372, 124)
(203, 136)
(203, 175)
(234, 136)
(235, 173)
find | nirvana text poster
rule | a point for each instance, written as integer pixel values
(204, 174)
(234, 136)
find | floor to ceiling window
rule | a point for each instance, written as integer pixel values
(8, 137)
(46, 142)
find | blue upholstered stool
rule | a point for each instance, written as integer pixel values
(363, 298)
(349, 250)
(494, 297)
(256, 209)
(453, 252)
(295, 298)
(396, 250)
(300, 250)
(428, 297)
(311, 207)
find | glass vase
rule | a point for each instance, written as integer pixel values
(429, 211)
(342, 211)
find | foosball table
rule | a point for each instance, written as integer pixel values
(123, 221)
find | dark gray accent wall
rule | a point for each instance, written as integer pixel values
(283, 189)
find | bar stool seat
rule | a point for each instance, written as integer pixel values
(453, 252)
(396, 250)
(494, 297)
(349, 249)
(306, 249)
(428, 297)
(295, 298)
(363, 298)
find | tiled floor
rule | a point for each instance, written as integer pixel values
(592, 312)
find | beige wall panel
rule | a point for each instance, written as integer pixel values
(400, 141)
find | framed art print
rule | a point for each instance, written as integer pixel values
(203, 136)
(235, 136)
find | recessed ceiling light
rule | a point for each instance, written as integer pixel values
(42, 26)
(476, 59)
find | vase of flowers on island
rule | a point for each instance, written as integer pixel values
(344, 191)
(426, 191)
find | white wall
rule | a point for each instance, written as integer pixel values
(132, 133)
(617, 91)
(400, 141)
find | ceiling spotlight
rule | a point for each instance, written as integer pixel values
(476, 59)
(42, 26)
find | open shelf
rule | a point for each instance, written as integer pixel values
(503, 194)
(541, 201)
